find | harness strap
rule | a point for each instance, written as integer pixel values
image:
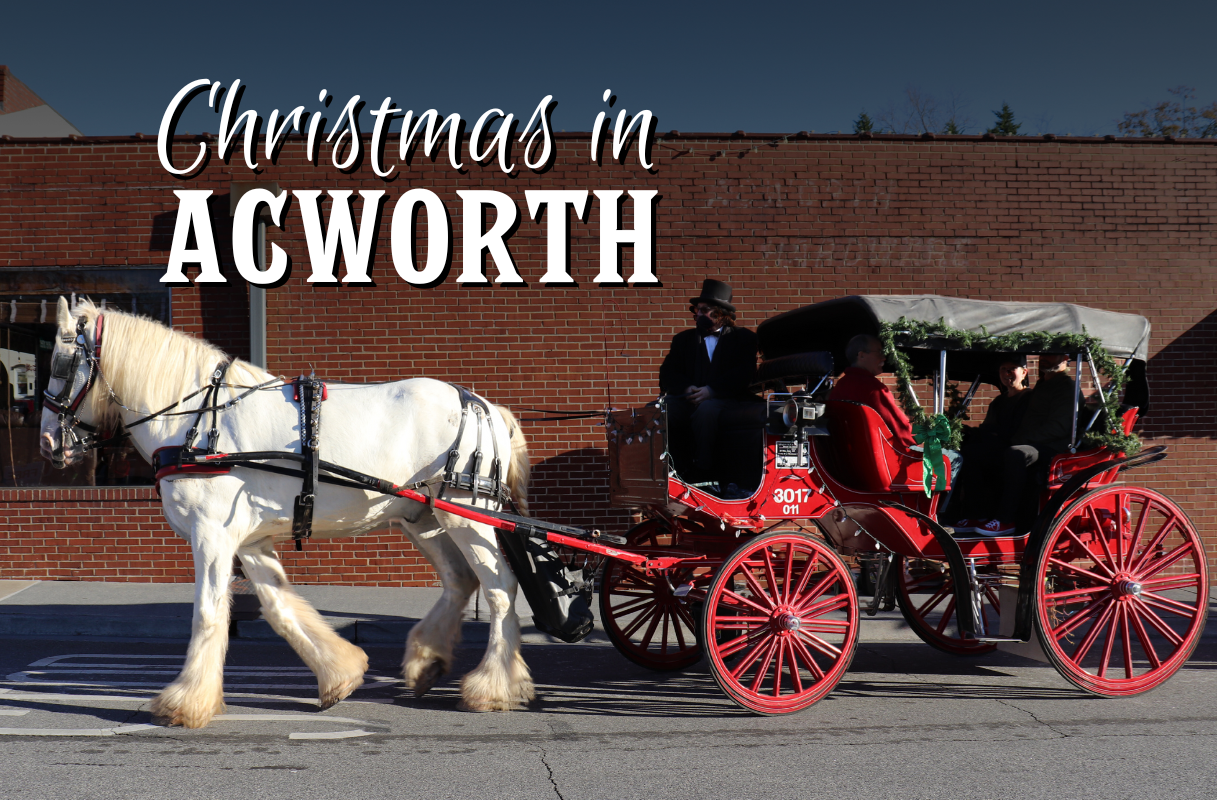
(310, 393)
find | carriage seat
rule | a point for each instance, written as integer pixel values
(864, 451)
(1066, 465)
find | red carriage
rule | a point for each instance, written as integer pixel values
(1111, 579)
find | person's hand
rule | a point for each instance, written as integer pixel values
(699, 394)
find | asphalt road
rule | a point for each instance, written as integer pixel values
(907, 722)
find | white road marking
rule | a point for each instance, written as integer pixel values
(330, 735)
(285, 718)
(13, 712)
(121, 729)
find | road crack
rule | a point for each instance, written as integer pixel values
(550, 772)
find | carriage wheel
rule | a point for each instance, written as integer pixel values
(925, 591)
(1121, 591)
(781, 622)
(646, 622)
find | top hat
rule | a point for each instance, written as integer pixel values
(715, 293)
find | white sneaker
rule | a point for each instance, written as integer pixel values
(994, 527)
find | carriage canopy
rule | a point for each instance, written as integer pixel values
(829, 325)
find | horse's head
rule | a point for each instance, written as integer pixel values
(74, 369)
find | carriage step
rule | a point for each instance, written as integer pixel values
(996, 639)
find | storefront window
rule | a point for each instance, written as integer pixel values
(28, 299)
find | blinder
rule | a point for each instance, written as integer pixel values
(64, 367)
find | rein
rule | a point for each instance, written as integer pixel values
(60, 405)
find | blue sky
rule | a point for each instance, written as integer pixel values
(1064, 67)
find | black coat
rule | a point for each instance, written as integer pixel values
(730, 373)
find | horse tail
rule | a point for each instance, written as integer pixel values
(520, 467)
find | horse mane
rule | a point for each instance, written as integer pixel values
(149, 365)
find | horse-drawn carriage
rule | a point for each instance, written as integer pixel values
(1111, 579)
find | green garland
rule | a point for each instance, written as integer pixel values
(913, 333)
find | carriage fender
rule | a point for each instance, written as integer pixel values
(1024, 612)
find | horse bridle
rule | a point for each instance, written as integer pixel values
(65, 368)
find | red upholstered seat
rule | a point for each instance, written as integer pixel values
(863, 451)
(1064, 466)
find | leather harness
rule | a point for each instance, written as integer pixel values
(309, 394)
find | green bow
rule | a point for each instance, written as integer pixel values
(932, 434)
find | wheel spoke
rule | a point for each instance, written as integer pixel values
(946, 615)
(1110, 639)
(1136, 536)
(677, 628)
(1110, 572)
(1111, 565)
(789, 572)
(685, 617)
(1120, 530)
(763, 669)
(1099, 625)
(1146, 646)
(1099, 579)
(758, 650)
(650, 634)
(1054, 598)
(1158, 623)
(826, 626)
(1153, 568)
(1169, 582)
(777, 667)
(916, 584)
(1126, 632)
(828, 605)
(794, 667)
(745, 601)
(1166, 604)
(771, 578)
(633, 574)
(1079, 617)
(808, 659)
(755, 586)
(633, 605)
(730, 623)
(639, 621)
(809, 597)
(937, 598)
(808, 571)
(819, 644)
(1157, 540)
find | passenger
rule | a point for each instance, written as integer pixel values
(858, 383)
(984, 450)
(706, 372)
(1044, 432)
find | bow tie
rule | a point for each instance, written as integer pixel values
(713, 333)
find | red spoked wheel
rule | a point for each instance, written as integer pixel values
(1121, 591)
(925, 590)
(781, 622)
(646, 620)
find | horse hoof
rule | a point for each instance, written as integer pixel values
(484, 706)
(428, 677)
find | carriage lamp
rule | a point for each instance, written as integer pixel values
(790, 413)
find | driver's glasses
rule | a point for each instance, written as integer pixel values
(712, 312)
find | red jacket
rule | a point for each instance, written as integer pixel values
(860, 386)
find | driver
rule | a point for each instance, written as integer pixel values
(707, 371)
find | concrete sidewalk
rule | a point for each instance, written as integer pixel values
(361, 614)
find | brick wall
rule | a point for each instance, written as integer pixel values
(1126, 225)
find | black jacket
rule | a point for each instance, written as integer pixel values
(730, 373)
(1048, 421)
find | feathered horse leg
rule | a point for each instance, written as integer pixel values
(198, 692)
(501, 682)
(429, 647)
(338, 664)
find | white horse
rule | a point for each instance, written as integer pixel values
(400, 431)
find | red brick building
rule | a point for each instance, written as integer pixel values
(1121, 224)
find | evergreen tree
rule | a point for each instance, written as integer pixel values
(951, 127)
(1006, 126)
(863, 124)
